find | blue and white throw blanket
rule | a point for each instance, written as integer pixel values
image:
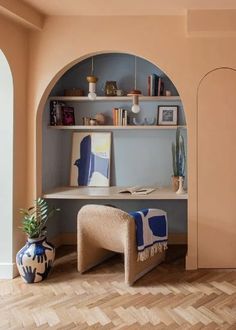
(151, 232)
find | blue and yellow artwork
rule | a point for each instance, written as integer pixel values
(90, 165)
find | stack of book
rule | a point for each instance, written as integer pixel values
(119, 117)
(155, 85)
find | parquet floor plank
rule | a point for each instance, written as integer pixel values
(167, 298)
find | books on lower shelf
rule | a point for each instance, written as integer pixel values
(137, 190)
(120, 117)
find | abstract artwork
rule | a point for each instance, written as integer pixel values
(90, 163)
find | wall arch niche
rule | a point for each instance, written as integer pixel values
(6, 173)
(216, 198)
(138, 157)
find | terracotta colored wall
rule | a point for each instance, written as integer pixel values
(216, 188)
(162, 40)
(14, 44)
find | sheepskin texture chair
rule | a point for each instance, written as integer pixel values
(102, 229)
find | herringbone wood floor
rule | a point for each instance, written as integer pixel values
(167, 298)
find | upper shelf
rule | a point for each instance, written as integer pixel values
(112, 127)
(113, 98)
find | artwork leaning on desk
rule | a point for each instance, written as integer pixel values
(90, 163)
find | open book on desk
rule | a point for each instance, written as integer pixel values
(137, 190)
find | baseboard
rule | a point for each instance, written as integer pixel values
(177, 239)
(71, 239)
(64, 239)
(8, 270)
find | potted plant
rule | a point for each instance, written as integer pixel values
(178, 159)
(34, 261)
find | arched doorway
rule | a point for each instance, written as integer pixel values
(6, 173)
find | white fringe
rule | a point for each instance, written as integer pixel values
(151, 250)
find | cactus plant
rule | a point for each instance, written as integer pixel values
(178, 155)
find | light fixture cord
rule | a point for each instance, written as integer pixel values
(92, 67)
(135, 73)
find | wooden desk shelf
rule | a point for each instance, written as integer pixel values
(110, 193)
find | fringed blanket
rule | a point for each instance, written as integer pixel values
(151, 232)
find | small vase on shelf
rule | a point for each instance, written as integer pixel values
(180, 191)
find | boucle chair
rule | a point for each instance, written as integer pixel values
(102, 229)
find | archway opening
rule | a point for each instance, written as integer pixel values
(56, 143)
(6, 173)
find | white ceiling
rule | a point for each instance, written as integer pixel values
(125, 7)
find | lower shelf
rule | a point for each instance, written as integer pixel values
(109, 193)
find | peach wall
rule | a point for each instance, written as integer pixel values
(14, 44)
(216, 194)
(160, 39)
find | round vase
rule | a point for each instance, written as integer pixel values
(34, 261)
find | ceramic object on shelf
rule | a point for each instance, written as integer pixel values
(92, 122)
(180, 190)
(120, 92)
(100, 118)
(35, 260)
(145, 122)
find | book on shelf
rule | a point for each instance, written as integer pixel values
(68, 116)
(61, 114)
(137, 190)
(155, 85)
(120, 117)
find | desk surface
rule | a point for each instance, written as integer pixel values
(109, 193)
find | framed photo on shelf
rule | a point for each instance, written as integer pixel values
(167, 115)
(90, 161)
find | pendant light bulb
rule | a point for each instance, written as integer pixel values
(92, 96)
(92, 85)
(135, 107)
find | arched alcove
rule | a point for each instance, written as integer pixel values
(126, 147)
(6, 173)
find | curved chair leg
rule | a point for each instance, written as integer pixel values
(89, 255)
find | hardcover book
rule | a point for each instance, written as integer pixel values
(68, 116)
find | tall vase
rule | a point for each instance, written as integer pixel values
(34, 261)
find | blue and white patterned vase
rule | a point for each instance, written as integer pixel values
(34, 261)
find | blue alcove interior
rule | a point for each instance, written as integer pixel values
(137, 157)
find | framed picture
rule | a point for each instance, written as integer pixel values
(90, 161)
(167, 115)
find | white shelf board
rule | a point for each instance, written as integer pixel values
(111, 127)
(113, 98)
(110, 193)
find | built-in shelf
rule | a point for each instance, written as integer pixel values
(110, 193)
(111, 127)
(113, 98)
